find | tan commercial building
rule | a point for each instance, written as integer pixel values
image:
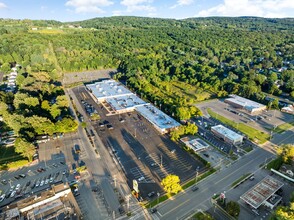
(227, 135)
(246, 104)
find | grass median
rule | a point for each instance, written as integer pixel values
(252, 133)
(283, 127)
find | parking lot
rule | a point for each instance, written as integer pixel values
(263, 121)
(142, 153)
(28, 180)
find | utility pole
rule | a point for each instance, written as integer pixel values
(158, 194)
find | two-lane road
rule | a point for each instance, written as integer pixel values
(221, 181)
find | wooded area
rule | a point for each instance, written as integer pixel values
(172, 63)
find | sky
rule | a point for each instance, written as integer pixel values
(76, 10)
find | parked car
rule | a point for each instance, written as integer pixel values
(2, 197)
(141, 178)
(153, 210)
(22, 175)
(17, 187)
(4, 182)
(151, 194)
(13, 194)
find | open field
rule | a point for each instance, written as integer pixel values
(49, 31)
(252, 133)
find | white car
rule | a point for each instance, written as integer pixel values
(42, 183)
(12, 194)
(17, 187)
(141, 178)
(11, 188)
(51, 179)
(46, 181)
(2, 197)
(38, 183)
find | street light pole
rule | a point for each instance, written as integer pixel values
(158, 194)
(197, 169)
(135, 132)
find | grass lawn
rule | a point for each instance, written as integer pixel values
(252, 133)
(284, 127)
(7, 154)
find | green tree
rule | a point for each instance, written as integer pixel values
(284, 212)
(62, 101)
(171, 184)
(191, 129)
(177, 133)
(233, 208)
(25, 148)
(183, 113)
(287, 152)
(45, 105)
(55, 111)
(3, 108)
(31, 101)
(41, 125)
(66, 125)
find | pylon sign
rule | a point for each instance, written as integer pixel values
(135, 186)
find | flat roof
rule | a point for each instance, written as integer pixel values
(227, 132)
(246, 103)
(108, 89)
(262, 191)
(125, 102)
(157, 117)
(195, 143)
(120, 98)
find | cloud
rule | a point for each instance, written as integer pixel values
(91, 6)
(2, 5)
(182, 3)
(260, 8)
(138, 5)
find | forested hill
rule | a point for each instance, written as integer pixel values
(248, 23)
(172, 62)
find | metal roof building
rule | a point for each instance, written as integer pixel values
(248, 105)
(195, 143)
(122, 100)
(227, 134)
(108, 89)
(262, 192)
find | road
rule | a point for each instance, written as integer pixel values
(186, 202)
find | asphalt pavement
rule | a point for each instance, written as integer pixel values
(187, 201)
